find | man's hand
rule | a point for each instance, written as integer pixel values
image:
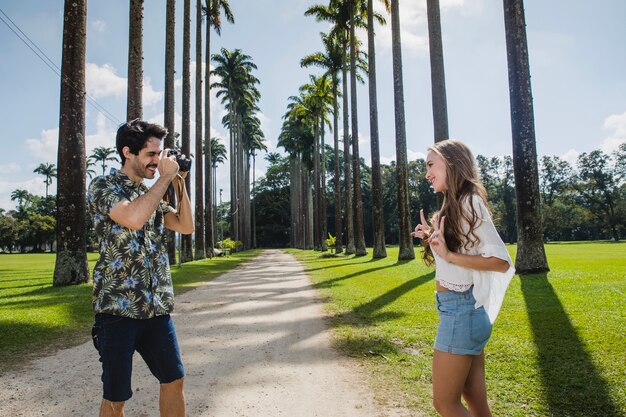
(168, 167)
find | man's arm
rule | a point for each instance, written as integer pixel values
(180, 220)
(134, 214)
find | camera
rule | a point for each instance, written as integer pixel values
(184, 163)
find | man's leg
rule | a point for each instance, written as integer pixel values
(159, 348)
(111, 409)
(172, 399)
(115, 339)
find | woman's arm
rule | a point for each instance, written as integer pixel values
(478, 262)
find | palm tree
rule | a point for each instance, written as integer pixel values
(218, 156)
(103, 154)
(297, 137)
(48, 171)
(89, 163)
(213, 11)
(378, 215)
(134, 108)
(237, 88)
(170, 39)
(437, 73)
(331, 61)
(169, 115)
(186, 253)
(256, 143)
(338, 14)
(200, 252)
(71, 260)
(406, 251)
(531, 255)
(317, 100)
(22, 196)
(359, 237)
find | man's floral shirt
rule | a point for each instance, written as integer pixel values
(132, 277)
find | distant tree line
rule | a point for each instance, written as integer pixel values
(581, 201)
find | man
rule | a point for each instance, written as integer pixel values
(133, 294)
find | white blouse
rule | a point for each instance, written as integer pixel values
(489, 286)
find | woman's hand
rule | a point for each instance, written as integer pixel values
(437, 240)
(422, 230)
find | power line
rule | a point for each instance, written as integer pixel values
(55, 68)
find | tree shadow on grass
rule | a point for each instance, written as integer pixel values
(368, 314)
(573, 384)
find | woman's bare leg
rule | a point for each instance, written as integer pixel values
(475, 390)
(450, 373)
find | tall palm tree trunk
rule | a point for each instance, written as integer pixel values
(186, 241)
(71, 260)
(316, 188)
(323, 206)
(347, 177)
(406, 251)
(294, 199)
(378, 215)
(209, 231)
(199, 215)
(338, 228)
(253, 200)
(437, 73)
(233, 178)
(170, 141)
(134, 108)
(359, 232)
(531, 255)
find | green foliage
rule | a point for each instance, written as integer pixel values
(37, 318)
(229, 244)
(330, 242)
(556, 350)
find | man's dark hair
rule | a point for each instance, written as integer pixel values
(135, 134)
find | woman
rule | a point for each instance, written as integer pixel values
(473, 270)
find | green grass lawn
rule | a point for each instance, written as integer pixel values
(558, 347)
(37, 318)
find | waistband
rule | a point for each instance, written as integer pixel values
(456, 296)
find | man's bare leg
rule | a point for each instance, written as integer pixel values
(111, 409)
(172, 399)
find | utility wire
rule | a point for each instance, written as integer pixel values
(55, 68)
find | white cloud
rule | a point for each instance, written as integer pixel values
(571, 156)
(150, 96)
(102, 81)
(10, 168)
(34, 185)
(616, 124)
(99, 26)
(413, 25)
(44, 149)
(104, 137)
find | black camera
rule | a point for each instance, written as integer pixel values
(184, 163)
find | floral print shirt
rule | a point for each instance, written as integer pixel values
(132, 277)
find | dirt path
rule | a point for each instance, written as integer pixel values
(253, 342)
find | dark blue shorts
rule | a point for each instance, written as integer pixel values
(117, 338)
(463, 329)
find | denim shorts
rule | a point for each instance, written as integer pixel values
(463, 329)
(117, 338)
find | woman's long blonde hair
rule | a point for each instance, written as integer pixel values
(462, 182)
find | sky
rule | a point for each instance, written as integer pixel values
(577, 63)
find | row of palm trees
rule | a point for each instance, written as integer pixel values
(236, 87)
(304, 124)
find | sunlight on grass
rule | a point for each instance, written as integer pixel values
(36, 318)
(557, 346)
